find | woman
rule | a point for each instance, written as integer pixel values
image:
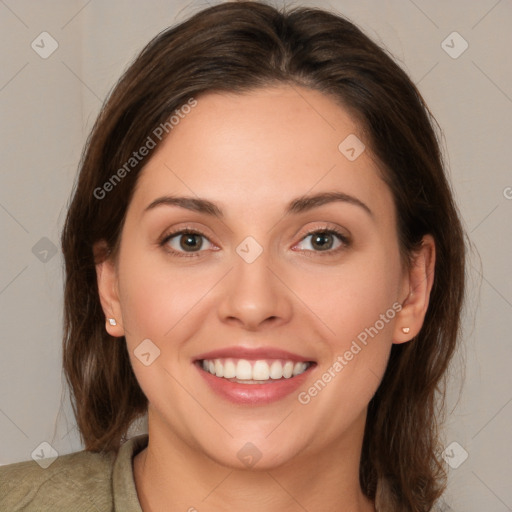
(263, 254)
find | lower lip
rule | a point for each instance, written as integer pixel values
(254, 394)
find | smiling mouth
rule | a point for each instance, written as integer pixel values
(260, 371)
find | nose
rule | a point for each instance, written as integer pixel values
(254, 295)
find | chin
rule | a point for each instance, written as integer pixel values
(253, 453)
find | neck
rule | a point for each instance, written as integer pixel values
(172, 475)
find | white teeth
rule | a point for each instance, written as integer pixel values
(276, 370)
(229, 369)
(288, 369)
(299, 368)
(219, 369)
(260, 370)
(243, 370)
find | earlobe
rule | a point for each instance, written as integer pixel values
(108, 292)
(418, 284)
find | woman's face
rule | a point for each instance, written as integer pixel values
(254, 292)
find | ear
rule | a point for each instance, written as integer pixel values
(108, 290)
(415, 292)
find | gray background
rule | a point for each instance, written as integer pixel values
(49, 105)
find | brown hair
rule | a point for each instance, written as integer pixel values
(236, 47)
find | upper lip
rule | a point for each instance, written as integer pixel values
(239, 352)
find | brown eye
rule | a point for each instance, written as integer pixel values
(185, 241)
(327, 241)
(190, 241)
(323, 241)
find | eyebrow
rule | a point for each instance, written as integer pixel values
(296, 206)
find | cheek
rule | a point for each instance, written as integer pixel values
(353, 298)
(158, 302)
(358, 304)
(155, 295)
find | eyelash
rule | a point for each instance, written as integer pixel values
(345, 242)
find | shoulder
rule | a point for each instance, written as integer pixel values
(79, 481)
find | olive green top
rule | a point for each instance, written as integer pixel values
(77, 482)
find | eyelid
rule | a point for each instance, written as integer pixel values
(326, 226)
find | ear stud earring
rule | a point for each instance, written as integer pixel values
(405, 330)
(112, 321)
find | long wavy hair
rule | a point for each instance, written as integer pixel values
(237, 47)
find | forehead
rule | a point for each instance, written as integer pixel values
(263, 147)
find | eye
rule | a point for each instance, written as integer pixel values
(189, 242)
(184, 241)
(327, 241)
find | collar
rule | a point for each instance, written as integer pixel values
(123, 483)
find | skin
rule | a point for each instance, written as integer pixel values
(251, 154)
